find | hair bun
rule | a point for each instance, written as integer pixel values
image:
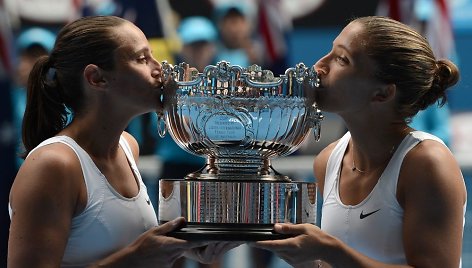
(446, 75)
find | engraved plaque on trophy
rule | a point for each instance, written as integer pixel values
(238, 119)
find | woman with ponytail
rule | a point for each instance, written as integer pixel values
(392, 196)
(78, 199)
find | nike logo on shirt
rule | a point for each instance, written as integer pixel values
(362, 216)
(148, 201)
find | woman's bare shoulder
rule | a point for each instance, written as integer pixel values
(47, 170)
(43, 199)
(430, 159)
(431, 167)
(51, 158)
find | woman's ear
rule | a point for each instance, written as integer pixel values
(94, 76)
(385, 93)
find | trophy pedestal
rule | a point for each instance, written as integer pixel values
(235, 210)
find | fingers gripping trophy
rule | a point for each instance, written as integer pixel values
(238, 119)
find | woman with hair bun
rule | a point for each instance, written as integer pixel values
(392, 196)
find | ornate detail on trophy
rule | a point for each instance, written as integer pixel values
(239, 118)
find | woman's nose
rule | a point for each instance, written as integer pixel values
(321, 67)
(157, 68)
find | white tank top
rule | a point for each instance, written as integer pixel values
(374, 226)
(109, 221)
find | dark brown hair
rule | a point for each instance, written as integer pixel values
(405, 58)
(55, 82)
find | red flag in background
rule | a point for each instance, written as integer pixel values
(275, 18)
(272, 28)
(430, 17)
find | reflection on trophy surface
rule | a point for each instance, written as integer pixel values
(239, 118)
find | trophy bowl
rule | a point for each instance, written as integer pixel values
(239, 118)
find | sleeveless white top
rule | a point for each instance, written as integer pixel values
(109, 221)
(374, 226)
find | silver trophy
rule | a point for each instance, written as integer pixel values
(239, 118)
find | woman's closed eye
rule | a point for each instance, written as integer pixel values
(342, 60)
(143, 59)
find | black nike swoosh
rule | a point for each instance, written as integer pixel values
(148, 201)
(368, 214)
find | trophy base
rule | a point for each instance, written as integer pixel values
(227, 232)
(235, 210)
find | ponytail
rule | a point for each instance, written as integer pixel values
(45, 113)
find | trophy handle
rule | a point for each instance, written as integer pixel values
(161, 126)
(317, 126)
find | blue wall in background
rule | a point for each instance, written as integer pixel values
(461, 96)
(308, 45)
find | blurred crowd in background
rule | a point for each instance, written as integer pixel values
(200, 33)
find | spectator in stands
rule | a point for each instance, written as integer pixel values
(237, 44)
(31, 44)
